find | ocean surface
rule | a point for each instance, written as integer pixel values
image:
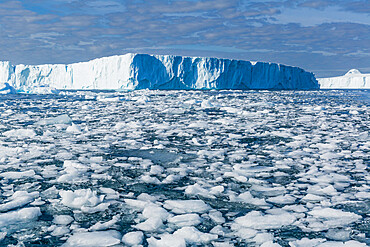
(185, 168)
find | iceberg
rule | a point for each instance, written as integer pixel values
(5, 88)
(142, 71)
(353, 79)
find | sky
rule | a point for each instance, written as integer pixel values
(327, 37)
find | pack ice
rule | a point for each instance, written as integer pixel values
(142, 71)
(353, 79)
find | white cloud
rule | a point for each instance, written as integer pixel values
(312, 17)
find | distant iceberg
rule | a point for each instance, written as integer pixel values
(141, 71)
(353, 79)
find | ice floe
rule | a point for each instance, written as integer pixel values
(185, 168)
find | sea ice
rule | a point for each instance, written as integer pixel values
(133, 238)
(98, 239)
(256, 220)
(19, 216)
(186, 206)
(84, 199)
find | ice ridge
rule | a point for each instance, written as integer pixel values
(142, 71)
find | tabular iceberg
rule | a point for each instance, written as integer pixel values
(353, 79)
(142, 71)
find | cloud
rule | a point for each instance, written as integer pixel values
(314, 34)
(313, 17)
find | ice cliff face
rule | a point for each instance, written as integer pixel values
(141, 71)
(353, 79)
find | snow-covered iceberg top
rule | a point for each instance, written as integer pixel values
(353, 79)
(142, 71)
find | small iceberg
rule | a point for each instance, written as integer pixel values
(6, 88)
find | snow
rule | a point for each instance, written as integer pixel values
(140, 71)
(353, 79)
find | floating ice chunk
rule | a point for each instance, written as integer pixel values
(334, 217)
(196, 189)
(217, 190)
(257, 220)
(99, 226)
(19, 216)
(62, 119)
(60, 231)
(199, 124)
(282, 199)
(194, 236)
(99, 208)
(363, 195)
(185, 220)
(338, 234)
(244, 233)
(20, 133)
(110, 194)
(306, 242)
(186, 206)
(351, 243)
(107, 98)
(207, 104)
(73, 129)
(84, 199)
(152, 210)
(312, 198)
(268, 191)
(150, 225)
(295, 208)
(138, 204)
(147, 197)
(73, 172)
(18, 175)
(263, 237)
(62, 219)
(149, 180)
(98, 239)
(19, 199)
(156, 170)
(43, 89)
(247, 197)
(222, 244)
(216, 216)
(2, 235)
(133, 238)
(231, 110)
(6, 88)
(167, 240)
(270, 244)
(317, 190)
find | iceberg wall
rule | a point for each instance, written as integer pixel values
(353, 79)
(142, 71)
